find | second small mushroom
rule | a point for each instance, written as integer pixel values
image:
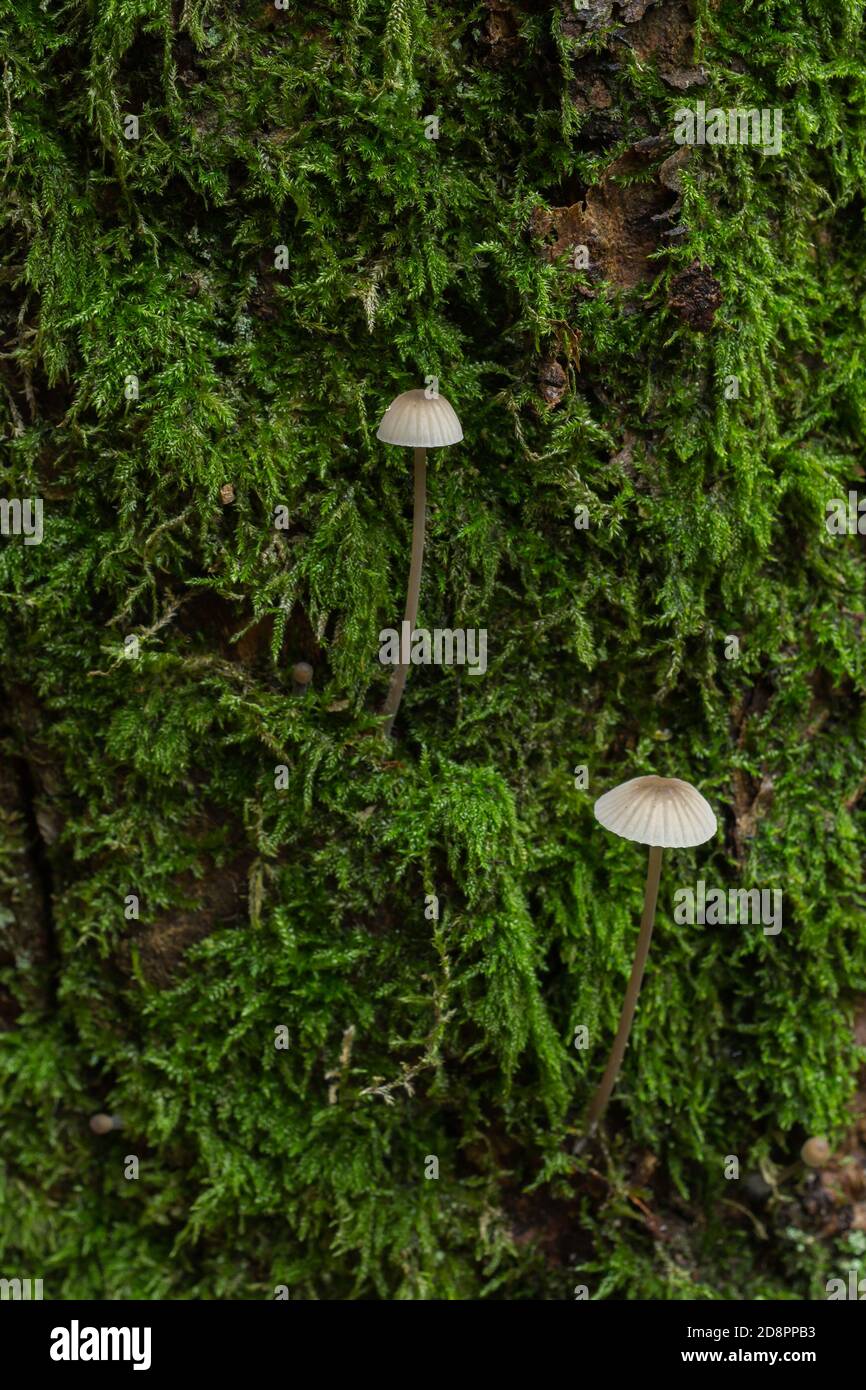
(662, 812)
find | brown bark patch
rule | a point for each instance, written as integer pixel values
(594, 14)
(618, 221)
(499, 32)
(695, 296)
(664, 36)
(591, 90)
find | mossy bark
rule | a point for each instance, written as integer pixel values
(205, 311)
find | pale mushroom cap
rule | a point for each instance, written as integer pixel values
(816, 1152)
(420, 423)
(657, 811)
(102, 1124)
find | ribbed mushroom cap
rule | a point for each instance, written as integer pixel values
(419, 423)
(657, 811)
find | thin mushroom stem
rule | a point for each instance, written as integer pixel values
(602, 1095)
(419, 518)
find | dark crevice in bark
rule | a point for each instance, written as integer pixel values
(43, 873)
(32, 934)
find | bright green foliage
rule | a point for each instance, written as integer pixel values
(305, 907)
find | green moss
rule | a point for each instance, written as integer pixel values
(155, 258)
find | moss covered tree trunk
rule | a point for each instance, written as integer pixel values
(350, 996)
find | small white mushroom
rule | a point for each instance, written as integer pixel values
(415, 420)
(302, 675)
(418, 421)
(104, 1124)
(664, 813)
(816, 1152)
